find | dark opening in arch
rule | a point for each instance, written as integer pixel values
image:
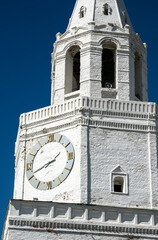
(138, 76)
(72, 70)
(106, 9)
(76, 72)
(108, 68)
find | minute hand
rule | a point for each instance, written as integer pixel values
(40, 168)
(47, 164)
(52, 161)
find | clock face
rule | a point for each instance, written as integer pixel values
(49, 162)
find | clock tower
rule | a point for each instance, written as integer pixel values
(86, 166)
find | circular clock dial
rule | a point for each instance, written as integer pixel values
(49, 162)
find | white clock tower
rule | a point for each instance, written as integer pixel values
(87, 165)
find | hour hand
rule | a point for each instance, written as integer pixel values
(47, 164)
(52, 160)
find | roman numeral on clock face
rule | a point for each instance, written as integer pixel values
(51, 138)
(70, 155)
(31, 177)
(29, 166)
(38, 184)
(49, 185)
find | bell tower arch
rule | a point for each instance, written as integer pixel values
(109, 65)
(72, 70)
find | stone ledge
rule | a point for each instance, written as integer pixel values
(81, 121)
(82, 228)
(130, 108)
(81, 218)
(81, 212)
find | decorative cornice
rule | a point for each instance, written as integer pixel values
(86, 121)
(103, 113)
(82, 218)
(82, 228)
(107, 120)
(94, 31)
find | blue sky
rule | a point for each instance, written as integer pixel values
(27, 34)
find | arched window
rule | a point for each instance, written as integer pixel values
(108, 66)
(118, 184)
(72, 70)
(106, 9)
(138, 76)
(119, 181)
(82, 12)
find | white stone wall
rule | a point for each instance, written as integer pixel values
(129, 150)
(40, 235)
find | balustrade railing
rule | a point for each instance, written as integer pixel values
(108, 105)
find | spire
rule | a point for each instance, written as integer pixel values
(101, 12)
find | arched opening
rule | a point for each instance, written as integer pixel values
(72, 74)
(125, 17)
(138, 76)
(82, 12)
(118, 184)
(106, 9)
(108, 66)
(76, 72)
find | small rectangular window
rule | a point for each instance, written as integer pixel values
(119, 181)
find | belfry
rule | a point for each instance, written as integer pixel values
(86, 166)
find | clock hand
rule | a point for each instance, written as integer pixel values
(47, 164)
(57, 155)
(52, 160)
(40, 168)
(50, 163)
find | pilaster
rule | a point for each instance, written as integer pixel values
(85, 165)
(59, 90)
(122, 82)
(91, 71)
(132, 76)
(145, 81)
(153, 167)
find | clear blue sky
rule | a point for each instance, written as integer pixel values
(27, 34)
